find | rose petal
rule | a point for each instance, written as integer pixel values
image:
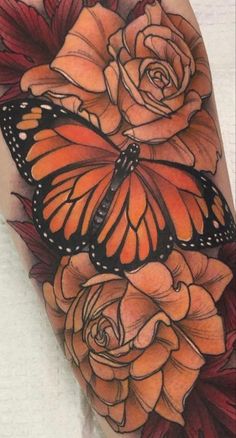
(147, 333)
(49, 296)
(80, 348)
(135, 113)
(96, 107)
(161, 130)
(179, 268)
(179, 375)
(101, 278)
(168, 51)
(70, 313)
(135, 309)
(100, 407)
(86, 370)
(174, 150)
(42, 78)
(135, 416)
(175, 39)
(147, 390)
(75, 273)
(109, 372)
(56, 316)
(105, 295)
(211, 274)
(133, 69)
(174, 303)
(202, 325)
(131, 31)
(79, 377)
(82, 266)
(110, 392)
(117, 413)
(70, 275)
(154, 357)
(201, 81)
(154, 15)
(101, 107)
(111, 73)
(84, 52)
(60, 299)
(202, 136)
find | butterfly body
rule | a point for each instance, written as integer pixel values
(123, 209)
(124, 165)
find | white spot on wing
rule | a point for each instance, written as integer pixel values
(47, 107)
(23, 135)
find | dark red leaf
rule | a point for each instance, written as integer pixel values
(227, 303)
(215, 364)
(156, 427)
(227, 306)
(34, 242)
(227, 255)
(220, 404)
(199, 420)
(12, 67)
(139, 9)
(90, 3)
(27, 205)
(26, 32)
(12, 93)
(50, 7)
(109, 4)
(42, 272)
(64, 18)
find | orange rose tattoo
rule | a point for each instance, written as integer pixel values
(138, 346)
(107, 114)
(149, 81)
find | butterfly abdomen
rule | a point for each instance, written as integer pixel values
(125, 164)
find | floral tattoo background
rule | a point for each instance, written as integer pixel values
(153, 355)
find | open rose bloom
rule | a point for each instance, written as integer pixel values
(137, 343)
(146, 79)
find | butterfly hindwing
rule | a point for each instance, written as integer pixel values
(219, 225)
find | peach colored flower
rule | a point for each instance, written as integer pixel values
(137, 343)
(144, 81)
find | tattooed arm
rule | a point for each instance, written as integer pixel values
(111, 124)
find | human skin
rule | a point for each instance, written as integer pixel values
(11, 181)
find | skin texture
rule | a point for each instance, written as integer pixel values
(10, 180)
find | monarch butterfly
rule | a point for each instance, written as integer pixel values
(89, 195)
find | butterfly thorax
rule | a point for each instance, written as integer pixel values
(124, 166)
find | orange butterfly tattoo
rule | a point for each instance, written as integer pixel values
(124, 210)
